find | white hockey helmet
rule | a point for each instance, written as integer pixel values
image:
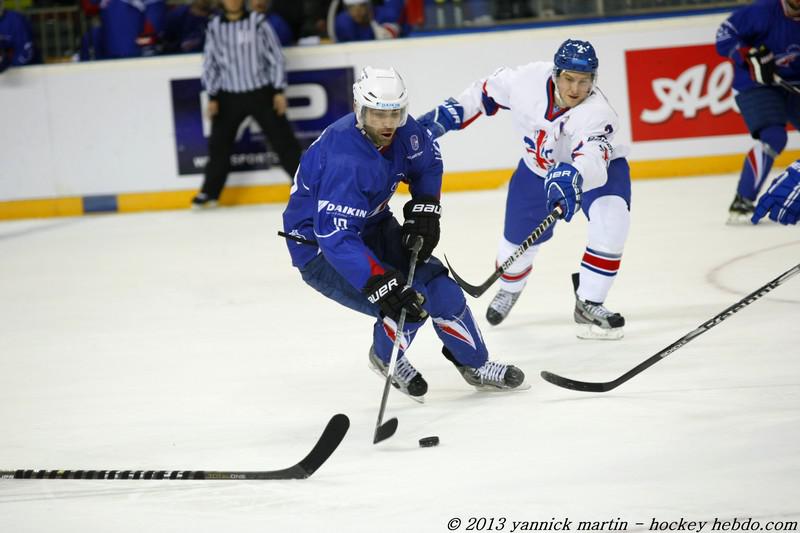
(380, 88)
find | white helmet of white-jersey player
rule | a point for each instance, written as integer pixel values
(379, 88)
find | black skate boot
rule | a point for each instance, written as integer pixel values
(501, 305)
(406, 378)
(492, 376)
(740, 211)
(203, 201)
(594, 320)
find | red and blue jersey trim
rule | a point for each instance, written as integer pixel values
(553, 111)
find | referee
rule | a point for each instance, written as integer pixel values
(244, 75)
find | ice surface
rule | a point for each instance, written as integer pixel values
(184, 340)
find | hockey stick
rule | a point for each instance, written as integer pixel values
(478, 290)
(567, 383)
(295, 238)
(384, 431)
(331, 436)
(786, 85)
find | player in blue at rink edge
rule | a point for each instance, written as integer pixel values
(782, 200)
(763, 41)
(571, 158)
(16, 40)
(357, 254)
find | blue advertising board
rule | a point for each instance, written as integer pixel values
(316, 99)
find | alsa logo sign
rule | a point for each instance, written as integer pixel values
(681, 92)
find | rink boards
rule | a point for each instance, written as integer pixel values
(130, 135)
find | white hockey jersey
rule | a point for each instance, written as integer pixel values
(581, 136)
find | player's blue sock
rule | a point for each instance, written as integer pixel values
(758, 162)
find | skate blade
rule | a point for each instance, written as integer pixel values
(491, 388)
(593, 332)
(418, 399)
(205, 207)
(738, 219)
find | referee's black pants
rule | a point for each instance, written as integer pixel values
(233, 109)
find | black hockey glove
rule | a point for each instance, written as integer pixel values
(422, 218)
(388, 290)
(761, 64)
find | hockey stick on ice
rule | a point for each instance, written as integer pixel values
(477, 290)
(331, 436)
(786, 85)
(385, 430)
(567, 383)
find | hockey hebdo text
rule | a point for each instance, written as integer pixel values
(512, 525)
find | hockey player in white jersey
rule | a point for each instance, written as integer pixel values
(569, 157)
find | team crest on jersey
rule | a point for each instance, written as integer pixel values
(535, 146)
(414, 143)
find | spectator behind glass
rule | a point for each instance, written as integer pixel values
(278, 23)
(363, 22)
(185, 27)
(293, 12)
(130, 27)
(316, 21)
(16, 40)
(92, 41)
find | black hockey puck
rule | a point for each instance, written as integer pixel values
(427, 442)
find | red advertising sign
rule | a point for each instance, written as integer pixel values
(681, 92)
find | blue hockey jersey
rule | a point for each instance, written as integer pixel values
(16, 40)
(764, 22)
(344, 184)
(125, 20)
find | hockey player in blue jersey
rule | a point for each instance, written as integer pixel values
(782, 200)
(16, 39)
(763, 42)
(130, 26)
(347, 244)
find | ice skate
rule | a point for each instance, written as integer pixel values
(202, 201)
(492, 376)
(501, 305)
(740, 211)
(406, 378)
(594, 321)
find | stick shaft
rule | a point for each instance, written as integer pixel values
(398, 336)
(477, 290)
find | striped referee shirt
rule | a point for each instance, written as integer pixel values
(242, 55)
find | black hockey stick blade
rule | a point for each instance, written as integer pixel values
(330, 439)
(473, 290)
(385, 430)
(574, 384)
